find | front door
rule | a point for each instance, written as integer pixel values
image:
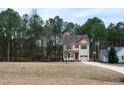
(76, 56)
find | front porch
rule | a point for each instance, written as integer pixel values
(72, 56)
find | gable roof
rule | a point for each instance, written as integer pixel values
(74, 39)
(119, 50)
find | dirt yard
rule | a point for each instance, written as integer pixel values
(56, 73)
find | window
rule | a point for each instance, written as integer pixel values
(84, 47)
(83, 56)
(122, 57)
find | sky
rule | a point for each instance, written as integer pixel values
(78, 15)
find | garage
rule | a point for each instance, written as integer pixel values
(84, 58)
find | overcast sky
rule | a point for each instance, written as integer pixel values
(78, 15)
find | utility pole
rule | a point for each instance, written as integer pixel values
(8, 52)
(98, 50)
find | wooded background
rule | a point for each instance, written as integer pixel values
(29, 38)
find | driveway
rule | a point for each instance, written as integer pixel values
(114, 68)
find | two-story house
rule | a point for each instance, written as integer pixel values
(76, 48)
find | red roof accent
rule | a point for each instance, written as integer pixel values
(78, 40)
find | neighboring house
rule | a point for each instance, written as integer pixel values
(76, 48)
(104, 54)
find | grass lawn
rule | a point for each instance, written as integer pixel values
(56, 73)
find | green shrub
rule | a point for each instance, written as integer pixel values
(112, 57)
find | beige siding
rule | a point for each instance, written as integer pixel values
(84, 51)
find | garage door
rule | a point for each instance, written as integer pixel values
(84, 58)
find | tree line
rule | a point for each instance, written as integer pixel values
(29, 38)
